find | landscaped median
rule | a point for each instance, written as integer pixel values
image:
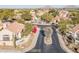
(63, 45)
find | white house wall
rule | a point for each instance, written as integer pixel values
(6, 32)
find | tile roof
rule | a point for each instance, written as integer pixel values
(15, 27)
(76, 28)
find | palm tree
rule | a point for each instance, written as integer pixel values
(14, 41)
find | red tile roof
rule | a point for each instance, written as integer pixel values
(15, 27)
(76, 28)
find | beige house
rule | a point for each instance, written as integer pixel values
(63, 15)
(9, 31)
(16, 28)
(6, 37)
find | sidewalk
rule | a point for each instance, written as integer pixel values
(32, 43)
(63, 45)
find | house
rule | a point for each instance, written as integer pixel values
(17, 14)
(32, 12)
(56, 19)
(40, 12)
(16, 28)
(63, 14)
(75, 33)
(9, 31)
(6, 37)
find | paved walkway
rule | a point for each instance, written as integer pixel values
(63, 45)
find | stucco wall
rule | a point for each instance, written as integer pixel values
(6, 32)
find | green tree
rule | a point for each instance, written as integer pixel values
(54, 12)
(26, 14)
(14, 42)
(75, 17)
(27, 29)
(47, 17)
(63, 25)
(6, 13)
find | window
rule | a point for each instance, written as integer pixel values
(6, 38)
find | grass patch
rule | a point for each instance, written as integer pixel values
(27, 29)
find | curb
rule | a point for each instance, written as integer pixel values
(63, 45)
(33, 42)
